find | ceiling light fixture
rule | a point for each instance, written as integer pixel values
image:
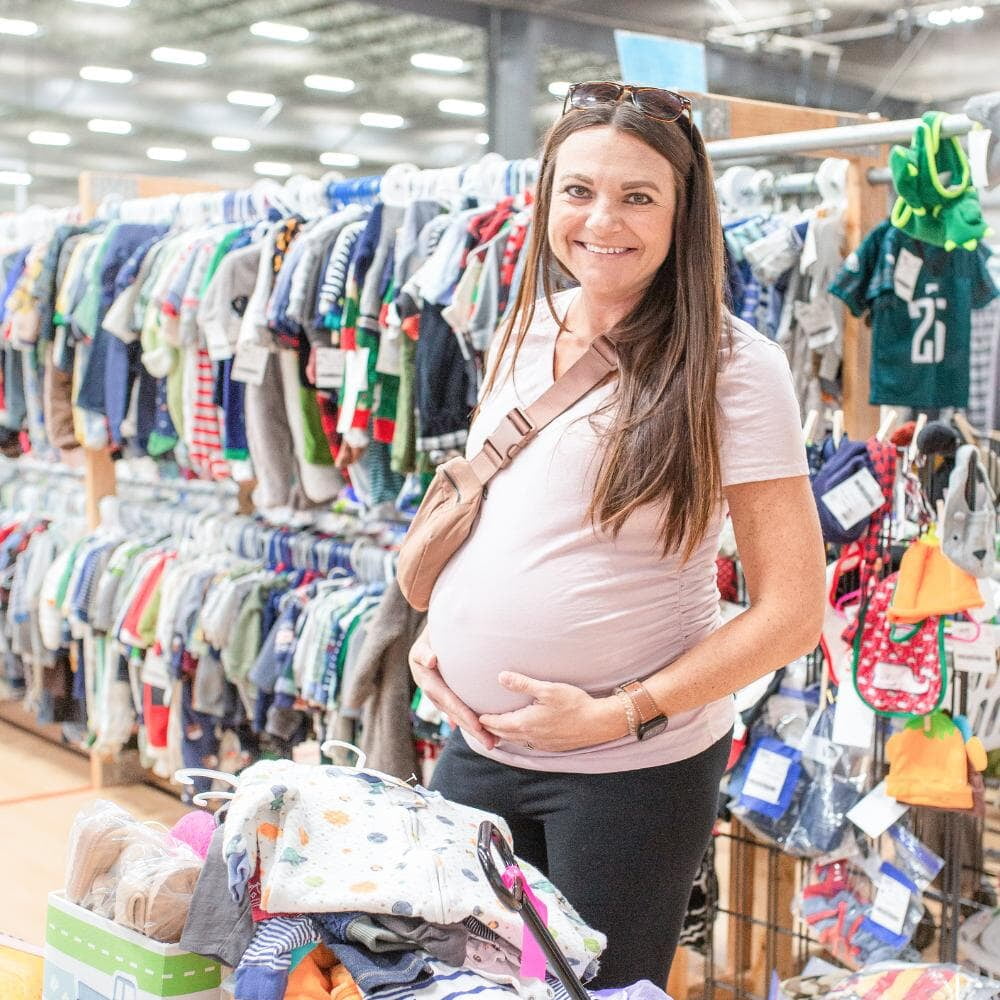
(945, 16)
(251, 98)
(180, 57)
(453, 106)
(438, 63)
(106, 74)
(170, 154)
(482, 138)
(16, 177)
(109, 126)
(42, 137)
(230, 144)
(279, 32)
(15, 26)
(106, 3)
(272, 168)
(559, 88)
(339, 159)
(336, 84)
(375, 119)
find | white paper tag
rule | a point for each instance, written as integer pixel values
(219, 348)
(876, 812)
(892, 900)
(853, 720)
(250, 364)
(897, 677)
(330, 365)
(904, 278)
(767, 775)
(854, 499)
(974, 654)
(979, 144)
(817, 322)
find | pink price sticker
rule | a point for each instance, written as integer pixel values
(533, 962)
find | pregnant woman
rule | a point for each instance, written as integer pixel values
(575, 638)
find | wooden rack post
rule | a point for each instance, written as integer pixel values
(736, 118)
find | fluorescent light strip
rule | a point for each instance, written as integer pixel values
(251, 98)
(170, 154)
(336, 84)
(438, 63)
(559, 88)
(180, 57)
(15, 26)
(109, 126)
(106, 74)
(339, 159)
(42, 137)
(375, 119)
(271, 168)
(106, 3)
(471, 109)
(18, 178)
(279, 32)
(230, 144)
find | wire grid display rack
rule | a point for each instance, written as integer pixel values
(752, 933)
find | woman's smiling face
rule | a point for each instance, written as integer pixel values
(611, 217)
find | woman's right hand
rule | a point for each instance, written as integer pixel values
(424, 668)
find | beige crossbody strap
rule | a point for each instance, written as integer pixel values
(519, 426)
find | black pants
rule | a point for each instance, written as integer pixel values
(623, 848)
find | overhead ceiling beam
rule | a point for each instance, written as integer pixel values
(760, 76)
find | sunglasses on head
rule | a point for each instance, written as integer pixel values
(663, 105)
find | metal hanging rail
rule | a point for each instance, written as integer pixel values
(786, 143)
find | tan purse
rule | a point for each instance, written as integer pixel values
(451, 505)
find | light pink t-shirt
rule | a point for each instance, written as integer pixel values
(537, 590)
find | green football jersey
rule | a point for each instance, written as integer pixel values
(920, 340)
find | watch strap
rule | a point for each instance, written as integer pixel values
(645, 707)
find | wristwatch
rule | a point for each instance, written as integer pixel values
(650, 720)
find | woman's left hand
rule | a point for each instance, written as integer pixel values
(561, 717)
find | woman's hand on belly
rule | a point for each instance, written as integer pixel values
(424, 668)
(560, 718)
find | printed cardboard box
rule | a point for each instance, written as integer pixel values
(90, 958)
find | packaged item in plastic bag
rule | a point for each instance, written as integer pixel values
(901, 980)
(798, 794)
(866, 910)
(133, 873)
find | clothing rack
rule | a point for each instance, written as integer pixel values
(828, 139)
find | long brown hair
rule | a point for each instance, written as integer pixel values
(662, 443)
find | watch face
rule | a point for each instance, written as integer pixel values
(652, 728)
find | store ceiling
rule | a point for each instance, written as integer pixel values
(185, 107)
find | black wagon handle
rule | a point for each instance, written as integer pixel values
(514, 898)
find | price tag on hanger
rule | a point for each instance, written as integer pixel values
(817, 322)
(219, 348)
(250, 364)
(904, 278)
(876, 812)
(854, 499)
(330, 367)
(892, 900)
(979, 144)
(974, 647)
(853, 720)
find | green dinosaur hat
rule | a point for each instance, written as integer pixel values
(944, 215)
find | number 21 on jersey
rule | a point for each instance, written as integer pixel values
(928, 338)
